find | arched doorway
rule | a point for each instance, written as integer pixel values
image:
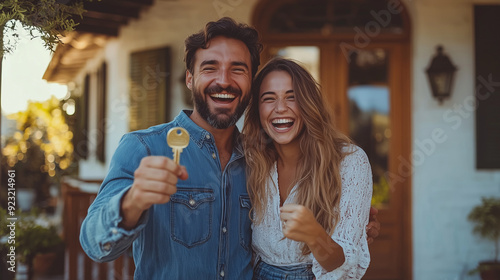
(359, 51)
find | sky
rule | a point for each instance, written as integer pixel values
(22, 72)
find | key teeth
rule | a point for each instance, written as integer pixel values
(177, 156)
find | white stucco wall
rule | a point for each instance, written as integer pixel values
(91, 168)
(446, 184)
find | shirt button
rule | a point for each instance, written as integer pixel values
(114, 231)
(207, 136)
(224, 229)
(106, 247)
(214, 156)
(192, 202)
(222, 273)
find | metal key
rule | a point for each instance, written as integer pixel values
(177, 139)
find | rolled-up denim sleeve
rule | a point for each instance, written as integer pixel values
(101, 237)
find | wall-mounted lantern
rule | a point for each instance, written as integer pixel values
(440, 74)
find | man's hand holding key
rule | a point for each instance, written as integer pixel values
(155, 181)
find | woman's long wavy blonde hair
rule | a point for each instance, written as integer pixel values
(321, 149)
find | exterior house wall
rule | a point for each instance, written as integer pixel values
(91, 168)
(445, 182)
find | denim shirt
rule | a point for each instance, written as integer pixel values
(202, 232)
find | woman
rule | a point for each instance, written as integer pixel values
(310, 186)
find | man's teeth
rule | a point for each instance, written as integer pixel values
(222, 95)
(279, 121)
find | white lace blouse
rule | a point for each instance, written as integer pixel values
(350, 232)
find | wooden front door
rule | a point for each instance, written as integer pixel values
(368, 87)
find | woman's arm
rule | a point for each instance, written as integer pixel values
(300, 225)
(350, 232)
(347, 248)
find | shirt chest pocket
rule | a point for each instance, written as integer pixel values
(191, 216)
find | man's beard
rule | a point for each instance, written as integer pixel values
(222, 118)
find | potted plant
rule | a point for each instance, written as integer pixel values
(35, 236)
(486, 217)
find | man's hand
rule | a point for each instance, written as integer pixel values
(155, 181)
(373, 227)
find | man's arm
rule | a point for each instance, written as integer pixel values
(119, 212)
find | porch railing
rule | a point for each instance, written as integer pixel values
(78, 195)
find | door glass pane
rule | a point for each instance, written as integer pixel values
(369, 122)
(307, 56)
(326, 17)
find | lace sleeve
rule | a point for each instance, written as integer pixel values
(350, 232)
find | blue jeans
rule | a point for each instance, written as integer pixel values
(264, 271)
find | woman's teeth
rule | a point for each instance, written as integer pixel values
(282, 124)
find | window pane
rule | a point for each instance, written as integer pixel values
(307, 56)
(369, 122)
(325, 17)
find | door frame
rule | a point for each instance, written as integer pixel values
(400, 114)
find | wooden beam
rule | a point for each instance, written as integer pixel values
(105, 30)
(98, 25)
(106, 17)
(100, 15)
(112, 8)
(132, 3)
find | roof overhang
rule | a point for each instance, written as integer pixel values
(100, 21)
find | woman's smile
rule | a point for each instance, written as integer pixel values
(278, 109)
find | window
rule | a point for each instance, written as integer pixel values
(101, 113)
(487, 40)
(80, 121)
(149, 88)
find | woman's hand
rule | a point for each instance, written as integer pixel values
(299, 224)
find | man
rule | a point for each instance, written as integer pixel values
(198, 226)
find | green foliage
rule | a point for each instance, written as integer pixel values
(48, 19)
(32, 238)
(484, 267)
(486, 217)
(40, 151)
(33, 235)
(3, 222)
(42, 146)
(381, 192)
